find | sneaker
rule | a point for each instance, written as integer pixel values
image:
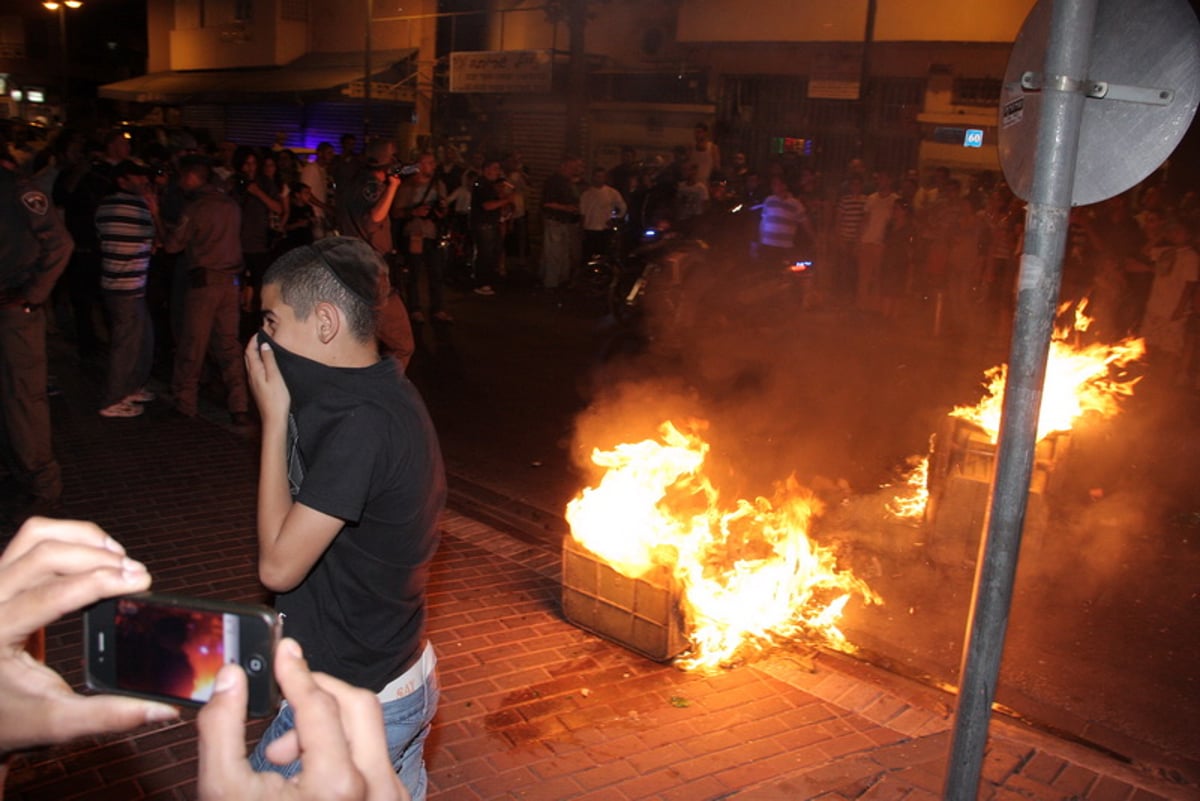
(484, 290)
(443, 317)
(121, 409)
(143, 395)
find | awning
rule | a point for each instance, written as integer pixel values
(308, 77)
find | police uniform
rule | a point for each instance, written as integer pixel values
(34, 250)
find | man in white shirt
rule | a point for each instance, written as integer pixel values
(599, 204)
(705, 155)
(876, 213)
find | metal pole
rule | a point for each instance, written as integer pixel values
(1067, 59)
(367, 78)
(865, 151)
(62, 39)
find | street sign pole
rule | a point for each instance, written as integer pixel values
(1063, 95)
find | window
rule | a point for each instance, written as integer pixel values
(977, 91)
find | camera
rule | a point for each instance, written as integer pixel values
(169, 648)
(403, 170)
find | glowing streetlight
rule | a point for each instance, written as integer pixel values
(60, 7)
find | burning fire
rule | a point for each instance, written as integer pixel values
(749, 573)
(1079, 379)
(911, 505)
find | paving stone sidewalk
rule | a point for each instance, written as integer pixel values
(532, 707)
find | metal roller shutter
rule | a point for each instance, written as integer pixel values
(326, 122)
(206, 120)
(256, 125)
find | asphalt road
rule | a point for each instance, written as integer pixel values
(1102, 641)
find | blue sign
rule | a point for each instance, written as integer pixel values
(973, 138)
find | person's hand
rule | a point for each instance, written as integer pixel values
(53, 567)
(266, 384)
(339, 735)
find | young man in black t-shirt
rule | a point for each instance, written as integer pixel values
(351, 488)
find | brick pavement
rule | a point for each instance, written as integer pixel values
(532, 707)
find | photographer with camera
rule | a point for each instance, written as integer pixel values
(422, 203)
(366, 206)
(364, 202)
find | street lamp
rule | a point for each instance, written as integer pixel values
(60, 7)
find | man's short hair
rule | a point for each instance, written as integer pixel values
(341, 270)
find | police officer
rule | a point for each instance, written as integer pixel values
(34, 250)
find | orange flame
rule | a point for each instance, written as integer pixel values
(749, 574)
(911, 504)
(1079, 379)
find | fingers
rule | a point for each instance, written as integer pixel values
(252, 357)
(81, 716)
(41, 529)
(362, 719)
(32, 607)
(324, 747)
(51, 557)
(267, 356)
(223, 768)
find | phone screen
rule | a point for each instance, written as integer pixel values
(171, 650)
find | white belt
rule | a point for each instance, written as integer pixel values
(412, 679)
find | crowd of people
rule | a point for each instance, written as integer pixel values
(351, 481)
(300, 280)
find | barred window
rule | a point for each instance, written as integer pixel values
(977, 91)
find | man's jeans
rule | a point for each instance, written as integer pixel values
(561, 252)
(406, 722)
(131, 346)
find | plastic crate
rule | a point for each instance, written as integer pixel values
(642, 614)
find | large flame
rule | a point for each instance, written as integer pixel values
(749, 573)
(1079, 379)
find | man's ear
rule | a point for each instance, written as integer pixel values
(328, 319)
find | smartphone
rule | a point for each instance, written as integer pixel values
(169, 648)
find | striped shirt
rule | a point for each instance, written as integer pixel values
(126, 232)
(781, 216)
(851, 211)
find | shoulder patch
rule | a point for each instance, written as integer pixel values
(36, 202)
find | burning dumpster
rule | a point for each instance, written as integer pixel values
(643, 614)
(658, 563)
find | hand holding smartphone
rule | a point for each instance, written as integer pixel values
(170, 648)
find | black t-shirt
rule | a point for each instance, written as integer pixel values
(365, 450)
(256, 219)
(484, 191)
